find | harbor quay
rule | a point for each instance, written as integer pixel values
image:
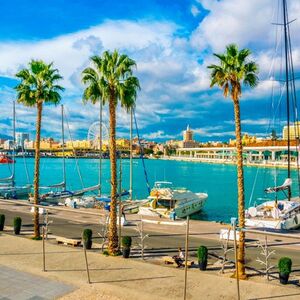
(116, 278)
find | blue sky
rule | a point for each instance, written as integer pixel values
(172, 43)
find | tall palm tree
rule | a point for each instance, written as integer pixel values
(111, 80)
(38, 86)
(234, 70)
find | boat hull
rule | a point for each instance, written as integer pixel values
(288, 224)
(190, 207)
(15, 192)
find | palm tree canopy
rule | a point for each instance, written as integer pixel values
(38, 83)
(234, 69)
(111, 74)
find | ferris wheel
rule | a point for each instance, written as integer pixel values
(94, 133)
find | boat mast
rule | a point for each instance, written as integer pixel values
(285, 23)
(100, 148)
(130, 170)
(14, 143)
(120, 203)
(63, 145)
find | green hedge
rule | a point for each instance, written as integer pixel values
(17, 225)
(285, 265)
(202, 254)
(126, 241)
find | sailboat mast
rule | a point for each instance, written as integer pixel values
(120, 202)
(100, 148)
(130, 170)
(63, 145)
(14, 142)
(285, 23)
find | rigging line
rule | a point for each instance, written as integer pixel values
(75, 156)
(25, 165)
(285, 18)
(294, 98)
(252, 191)
(24, 158)
(142, 152)
(272, 69)
(271, 72)
(14, 143)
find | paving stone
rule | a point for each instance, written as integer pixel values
(18, 285)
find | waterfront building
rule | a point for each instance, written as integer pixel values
(294, 131)
(8, 144)
(246, 140)
(2, 143)
(49, 144)
(28, 145)
(20, 139)
(258, 153)
(79, 144)
(173, 143)
(159, 148)
(188, 141)
(123, 144)
(45, 144)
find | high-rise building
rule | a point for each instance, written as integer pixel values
(294, 131)
(8, 145)
(20, 138)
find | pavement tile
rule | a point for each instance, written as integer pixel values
(17, 285)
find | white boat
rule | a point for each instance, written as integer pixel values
(280, 214)
(85, 201)
(170, 202)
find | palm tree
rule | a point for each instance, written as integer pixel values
(111, 80)
(234, 70)
(38, 85)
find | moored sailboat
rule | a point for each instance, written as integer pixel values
(57, 193)
(8, 187)
(280, 214)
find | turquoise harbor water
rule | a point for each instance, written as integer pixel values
(218, 180)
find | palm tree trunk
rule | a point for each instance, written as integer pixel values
(112, 234)
(240, 184)
(37, 168)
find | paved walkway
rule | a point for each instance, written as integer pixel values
(115, 278)
(18, 285)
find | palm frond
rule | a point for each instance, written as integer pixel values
(38, 82)
(232, 70)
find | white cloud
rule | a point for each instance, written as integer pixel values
(237, 21)
(172, 69)
(213, 131)
(160, 134)
(71, 52)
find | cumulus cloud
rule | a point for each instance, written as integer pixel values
(160, 134)
(172, 67)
